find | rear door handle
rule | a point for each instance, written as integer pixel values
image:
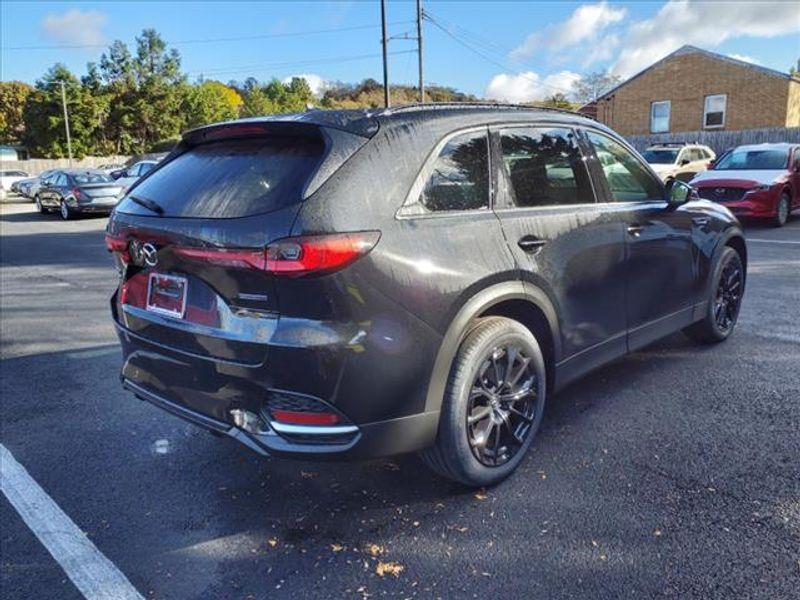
(531, 243)
(635, 230)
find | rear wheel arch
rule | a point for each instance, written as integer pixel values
(513, 299)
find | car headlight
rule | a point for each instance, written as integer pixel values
(759, 188)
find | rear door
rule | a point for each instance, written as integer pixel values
(663, 282)
(563, 241)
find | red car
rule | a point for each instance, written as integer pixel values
(759, 181)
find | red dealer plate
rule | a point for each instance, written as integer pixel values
(166, 295)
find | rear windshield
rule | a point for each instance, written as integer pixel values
(660, 157)
(233, 178)
(81, 178)
(748, 160)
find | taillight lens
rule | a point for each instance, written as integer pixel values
(292, 257)
(296, 417)
(118, 245)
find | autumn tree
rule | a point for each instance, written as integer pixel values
(13, 96)
(592, 86)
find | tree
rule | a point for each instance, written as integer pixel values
(44, 118)
(13, 96)
(556, 101)
(592, 86)
(210, 102)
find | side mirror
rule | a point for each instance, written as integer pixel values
(117, 174)
(679, 193)
(684, 162)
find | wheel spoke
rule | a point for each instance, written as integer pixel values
(521, 415)
(523, 366)
(479, 414)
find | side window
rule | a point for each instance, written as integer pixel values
(628, 180)
(61, 180)
(460, 177)
(145, 168)
(544, 167)
(695, 154)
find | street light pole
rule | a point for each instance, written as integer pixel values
(66, 120)
(385, 57)
(419, 52)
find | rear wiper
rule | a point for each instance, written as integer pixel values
(148, 204)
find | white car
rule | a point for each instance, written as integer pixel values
(127, 177)
(9, 178)
(678, 161)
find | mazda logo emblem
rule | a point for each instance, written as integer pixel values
(143, 254)
(149, 254)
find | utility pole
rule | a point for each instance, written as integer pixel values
(419, 52)
(66, 120)
(385, 56)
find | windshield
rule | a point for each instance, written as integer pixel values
(751, 160)
(81, 178)
(660, 157)
(233, 178)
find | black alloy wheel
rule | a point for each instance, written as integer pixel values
(502, 405)
(729, 296)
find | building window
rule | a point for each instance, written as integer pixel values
(659, 117)
(714, 111)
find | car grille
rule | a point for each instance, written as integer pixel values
(722, 194)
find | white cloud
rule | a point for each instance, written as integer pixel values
(584, 24)
(745, 58)
(704, 24)
(75, 27)
(317, 84)
(529, 86)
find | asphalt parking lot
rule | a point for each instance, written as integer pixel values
(672, 472)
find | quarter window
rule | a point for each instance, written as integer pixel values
(460, 176)
(714, 111)
(659, 116)
(544, 167)
(628, 180)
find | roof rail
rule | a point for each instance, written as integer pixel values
(455, 105)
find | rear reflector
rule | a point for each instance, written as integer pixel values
(292, 257)
(305, 418)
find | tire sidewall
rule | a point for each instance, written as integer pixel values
(64, 211)
(458, 394)
(784, 199)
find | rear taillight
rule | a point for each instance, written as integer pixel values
(118, 245)
(292, 257)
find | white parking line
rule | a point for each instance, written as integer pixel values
(772, 241)
(92, 573)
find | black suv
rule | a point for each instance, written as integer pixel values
(362, 283)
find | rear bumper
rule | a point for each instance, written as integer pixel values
(384, 438)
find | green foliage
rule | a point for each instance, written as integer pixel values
(557, 101)
(13, 95)
(210, 102)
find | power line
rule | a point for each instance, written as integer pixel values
(503, 65)
(219, 40)
(299, 63)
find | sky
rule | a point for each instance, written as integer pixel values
(512, 51)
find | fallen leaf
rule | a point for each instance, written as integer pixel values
(374, 549)
(272, 542)
(337, 547)
(308, 474)
(657, 532)
(481, 494)
(389, 568)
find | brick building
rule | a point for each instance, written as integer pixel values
(696, 90)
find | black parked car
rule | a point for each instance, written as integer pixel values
(72, 192)
(354, 284)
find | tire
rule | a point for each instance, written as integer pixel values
(66, 212)
(472, 390)
(782, 210)
(42, 210)
(723, 305)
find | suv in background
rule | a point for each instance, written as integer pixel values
(680, 160)
(365, 283)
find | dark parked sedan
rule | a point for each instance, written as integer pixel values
(73, 192)
(354, 284)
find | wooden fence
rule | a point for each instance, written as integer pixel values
(719, 141)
